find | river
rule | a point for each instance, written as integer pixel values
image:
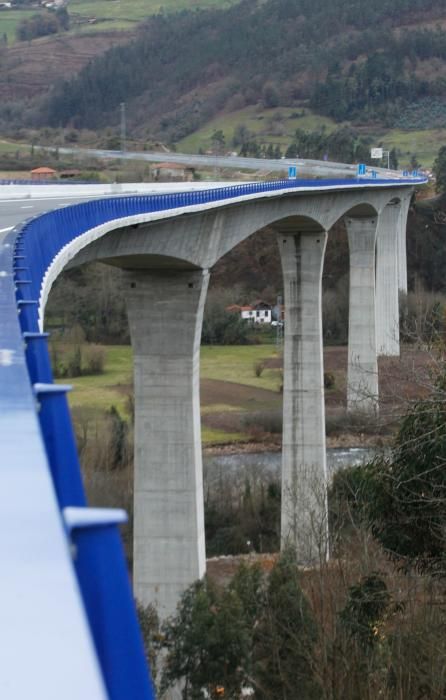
(266, 465)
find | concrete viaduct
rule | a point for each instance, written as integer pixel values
(166, 249)
(166, 265)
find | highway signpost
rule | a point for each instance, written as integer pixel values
(292, 172)
(379, 153)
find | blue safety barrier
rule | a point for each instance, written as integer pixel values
(99, 564)
(66, 181)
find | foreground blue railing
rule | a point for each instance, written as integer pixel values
(99, 561)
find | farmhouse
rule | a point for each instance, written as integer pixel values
(43, 173)
(173, 171)
(258, 312)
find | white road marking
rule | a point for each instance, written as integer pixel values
(8, 228)
(29, 206)
(6, 357)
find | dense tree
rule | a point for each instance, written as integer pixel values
(402, 497)
(258, 632)
(285, 638)
(250, 50)
(440, 170)
(221, 327)
(42, 24)
(208, 643)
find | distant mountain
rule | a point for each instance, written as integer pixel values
(365, 60)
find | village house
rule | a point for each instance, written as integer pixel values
(173, 171)
(43, 173)
(258, 312)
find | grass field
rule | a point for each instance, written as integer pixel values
(110, 14)
(270, 125)
(423, 144)
(278, 126)
(9, 19)
(136, 10)
(9, 147)
(229, 385)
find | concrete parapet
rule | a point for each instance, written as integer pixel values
(304, 521)
(362, 373)
(387, 305)
(165, 310)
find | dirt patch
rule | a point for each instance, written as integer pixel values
(31, 68)
(405, 378)
(221, 569)
(401, 380)
(215, 391)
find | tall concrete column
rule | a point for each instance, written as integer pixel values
(165, 311)
(387, 306)
(362, 372)
(304, 472)
(401, 244)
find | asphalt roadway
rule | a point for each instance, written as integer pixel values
(14, 211)
(305, 167)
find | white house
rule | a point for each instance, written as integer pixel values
(259, 312)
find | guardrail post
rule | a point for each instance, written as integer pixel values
(101, 569)
(27, 309)
(60, 443)
(37, 357)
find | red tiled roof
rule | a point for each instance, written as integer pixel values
(44, 171)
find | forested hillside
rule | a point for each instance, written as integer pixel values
(367, 60)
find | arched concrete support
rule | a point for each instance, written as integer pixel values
(387, 306)
(401, 244)
(362, 373)
(165, 311)
(202, 238)
(304, 474)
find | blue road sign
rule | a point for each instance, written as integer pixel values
(292, 171)
(361, 169)
(405, 173)
(414, 173)
(374, 174)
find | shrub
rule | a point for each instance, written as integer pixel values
(258, 368)
(264, 421)
(73, 363)
(329, 380)
(94, 359)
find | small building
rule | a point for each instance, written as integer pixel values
(43, 173)
(71, 174)
(258, 312)
(173, 171)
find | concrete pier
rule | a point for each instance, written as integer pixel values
(304, 474)
(165, 311)
(387, 305)
(401, 243)
(362, 372)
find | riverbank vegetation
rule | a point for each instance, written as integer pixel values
(368, 623)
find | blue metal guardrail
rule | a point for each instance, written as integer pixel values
(66, 181)
(99, 563)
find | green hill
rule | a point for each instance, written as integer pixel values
(346, 59)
